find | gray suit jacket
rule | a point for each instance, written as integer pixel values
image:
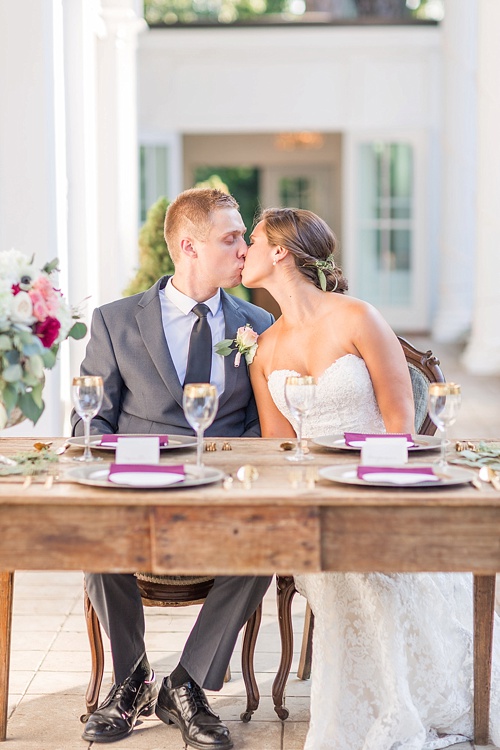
(143, 394)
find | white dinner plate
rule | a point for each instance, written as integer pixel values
(337, 442)
(97, 476)
(174, 441)
(348, 474)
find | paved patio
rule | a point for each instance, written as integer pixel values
(50, 659)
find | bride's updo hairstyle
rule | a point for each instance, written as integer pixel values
(310, 241)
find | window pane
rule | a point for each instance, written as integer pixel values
(295, 191)
(385, 180)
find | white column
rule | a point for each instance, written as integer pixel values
(458, 170)
(117, 152)
(32, 152)
(482, 355)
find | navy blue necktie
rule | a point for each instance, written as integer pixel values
(199, 362)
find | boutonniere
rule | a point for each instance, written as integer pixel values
(244, 344)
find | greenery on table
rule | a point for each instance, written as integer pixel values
(29, 463)
(484, 454)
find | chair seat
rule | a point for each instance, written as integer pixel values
(173, 591)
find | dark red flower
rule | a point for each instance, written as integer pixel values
(47, 331)
(15, 289)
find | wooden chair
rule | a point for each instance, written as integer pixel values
(424, 369)
(171, 591)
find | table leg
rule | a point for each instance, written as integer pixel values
(484, 609)
(6, 593)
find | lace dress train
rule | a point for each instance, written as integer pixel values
(392, 654)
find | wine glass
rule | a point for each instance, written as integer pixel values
(87, 393)
(444, 403)
(300, 394)
(200, 401)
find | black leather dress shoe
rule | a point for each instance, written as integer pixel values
(187, 707)
(117, 716)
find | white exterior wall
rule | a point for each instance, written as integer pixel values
(260, 80)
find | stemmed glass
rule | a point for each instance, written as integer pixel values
(200, 402)
(444, 403)
(87, 393)
(300, 394)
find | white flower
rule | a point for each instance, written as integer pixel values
(21, 308)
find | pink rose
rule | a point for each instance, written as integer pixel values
(51, 297)
(40, 310)
(246, 337)
(47, 331)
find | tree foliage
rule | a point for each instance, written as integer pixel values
(154, 258)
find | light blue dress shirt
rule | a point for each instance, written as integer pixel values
(178, 321)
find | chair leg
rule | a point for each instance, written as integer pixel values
(6, 597)
(97, 659)
(484, 609)
(227, 676)
(247, 663)
(285, 589)
(304, 670)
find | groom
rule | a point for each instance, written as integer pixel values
(146, 347)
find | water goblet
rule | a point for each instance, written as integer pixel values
(200, 402)
(444, 403)
(300, 394)
(87, 393)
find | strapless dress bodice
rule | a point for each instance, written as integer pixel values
(345, 400)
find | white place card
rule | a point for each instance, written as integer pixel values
(137, 450)
(384, 451)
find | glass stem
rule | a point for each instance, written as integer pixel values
(87, 455)
(443, 448)
(199, 450)
(299, 452)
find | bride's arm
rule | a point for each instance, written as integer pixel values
(272, 421)
(386, 363)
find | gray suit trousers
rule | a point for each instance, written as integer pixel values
(229, 604)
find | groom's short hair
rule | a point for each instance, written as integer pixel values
(192, 211)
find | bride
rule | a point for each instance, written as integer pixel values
(392, 656)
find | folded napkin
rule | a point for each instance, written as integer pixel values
(151, 475)
(397, 474)
(109, 441)
(356, 439)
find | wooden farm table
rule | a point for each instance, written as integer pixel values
(273, 527)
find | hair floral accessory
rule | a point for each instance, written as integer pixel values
(34, 319)
(321, 266)
(245, 343)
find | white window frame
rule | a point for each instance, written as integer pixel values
(414, 317)
(172, 142)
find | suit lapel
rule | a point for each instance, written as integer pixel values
(150, 325)
(234, 318)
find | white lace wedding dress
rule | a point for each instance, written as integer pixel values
(392, 654)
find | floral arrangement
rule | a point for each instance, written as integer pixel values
(244, 344)
(34, 319)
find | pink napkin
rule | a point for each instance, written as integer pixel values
(360, 437)
(110, 440)
(145, 469)
(426, 472)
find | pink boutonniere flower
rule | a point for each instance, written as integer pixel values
(244, 344)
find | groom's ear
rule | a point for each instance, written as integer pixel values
(187, 247)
